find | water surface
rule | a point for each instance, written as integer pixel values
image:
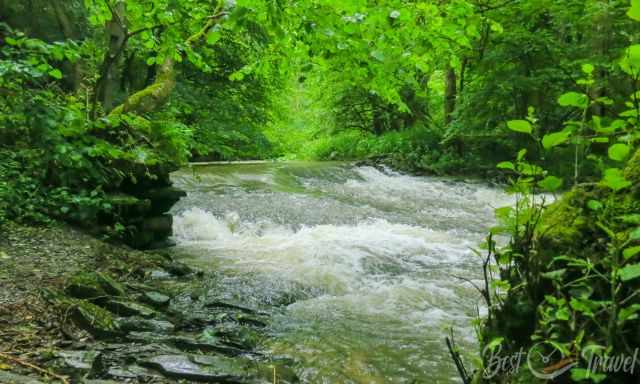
(360, 266)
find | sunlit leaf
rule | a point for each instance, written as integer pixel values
(614, 179)
(619, 152)
(629, 272)
(553, 139)
(522, 126)
(630, 252)
(550, 183)
(573, 99)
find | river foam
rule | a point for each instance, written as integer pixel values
(382, 259)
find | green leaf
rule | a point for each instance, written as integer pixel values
(632, 218)
(628, 313)
(619, 152)
(629, 272)
(550, 183)
(581, 305)
(214, 36)
(530, 169)
(236, 76)
(55, 73)
(594, 205)
(522, 126)
(630, 62)
(494, 343)
(582, 374)
(521, 154)
(587, 68)
(635, 234)
(506, 165)
(574, 99)
(630, 252)
(554, 275)
(634, 11)
(563, 314)
(614, 179)
(553, 139)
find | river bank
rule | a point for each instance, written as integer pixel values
(79, 309)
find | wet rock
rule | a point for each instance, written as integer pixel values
(161, 226)
(178, 269)
(80, 360)
(236, 335)
(188, 343)
(129, 308)
(89, 285)
(215, 303)
(157, 274)
(98, 321)
(132, 372)
(138, 324)
(255, 321)
(191, 344)
(155, 299)
(209, 369)
(164, 198)
(8, 377)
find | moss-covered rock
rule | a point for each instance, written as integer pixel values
(563, 224)
(98, 321)
(138, 324)
(90, 285)
(632, 173)
(155, 299)
(129, 308)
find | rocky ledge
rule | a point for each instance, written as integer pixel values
(80, 310)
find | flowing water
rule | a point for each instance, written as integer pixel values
(360, 267)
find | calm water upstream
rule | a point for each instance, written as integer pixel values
(356, 264)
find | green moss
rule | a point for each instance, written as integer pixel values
(632, 172)
(98, 321)
(564, 223)
(89, 285)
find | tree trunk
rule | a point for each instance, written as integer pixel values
(449, 94)
(108, 82)
(70, 34)
(155, 95)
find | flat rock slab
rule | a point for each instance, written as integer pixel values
(138, 324)
(80, 360)
(156, 299)
(201, 368)
(129, 308)
(8, 377)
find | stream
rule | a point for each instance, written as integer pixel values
(359, 267)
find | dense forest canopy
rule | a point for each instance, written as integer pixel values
(101, 99)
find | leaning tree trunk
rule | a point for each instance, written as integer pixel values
(155, 95)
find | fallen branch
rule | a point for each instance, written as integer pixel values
(34, 367)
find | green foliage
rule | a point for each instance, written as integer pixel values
(56, 162)
(575, 263)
